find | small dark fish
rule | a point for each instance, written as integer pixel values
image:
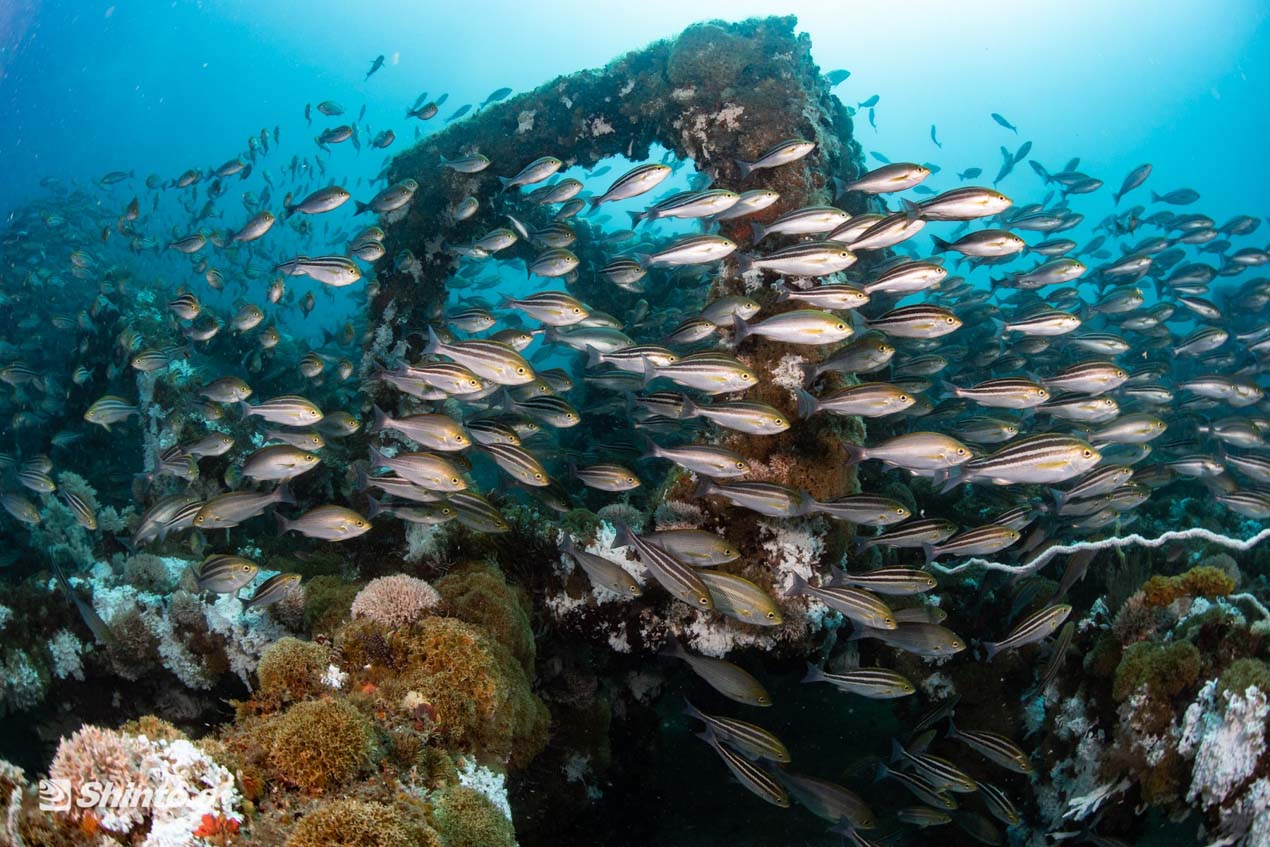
(933, 138)
(375, 65)
(837, 77)
(1003, 122)
(870, 103)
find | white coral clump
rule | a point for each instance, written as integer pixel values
(333, 677)
(22, 685)
(6, 615)
(1226, 741)
(525, 122)
(491, 783)
(788, 373)
(599, 126)
(247, 632)
(65, 650)
(395, 600)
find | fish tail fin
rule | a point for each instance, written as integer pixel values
(593, 203)
(797, 588)
(928, 552)
(689, 408)
(1155, 198)
(811, 370)
(505, 182)
(692, 711)
(284, 525)
(941, 246)
(949, 478)
(568, 545)
(990, 650)
(757, 231)
(433, 345)
(650, 372)
(282, 494)
(652, 450)
(636, 217)
(746, 263)
(838, 576)
(741, 330)
(379, 420)
(808, 404)
(361, 207)
(897, 750)
(361, 476)
(706, 487)
(674, 649)
(814, 674)
(1060, 498)
(855, 454)
(624, 537)
(911, 210)
(374, 508)
(593, 357)
(746, 168)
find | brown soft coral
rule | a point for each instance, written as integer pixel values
(353, 823)
(318, 744)
(1199, 581)
(290, 670)
(466, 686)
(466, 818)
(479, 595)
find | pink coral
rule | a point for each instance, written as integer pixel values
(105, 757)
(395, 600)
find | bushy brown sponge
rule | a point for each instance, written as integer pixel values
(466, 818)
(319, 744)
(290, 670)
(1199, 581)
(478, 594)
(353, 823)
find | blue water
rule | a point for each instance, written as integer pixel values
(89, 87)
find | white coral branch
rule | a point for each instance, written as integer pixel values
(1134, 540)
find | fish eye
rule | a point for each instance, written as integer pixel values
(454, 480)
(703, 600)
(537, 475)
(520, 370)
(771, 616)
(961, 451)
(633, 589)
(900, 511)
(359, 523)
(740, 464)
(903, 398)
(1088, 453)
(841, 326)
(950, 320)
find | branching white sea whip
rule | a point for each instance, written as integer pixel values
(1134, 540)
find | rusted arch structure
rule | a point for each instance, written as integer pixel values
(717, 93)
